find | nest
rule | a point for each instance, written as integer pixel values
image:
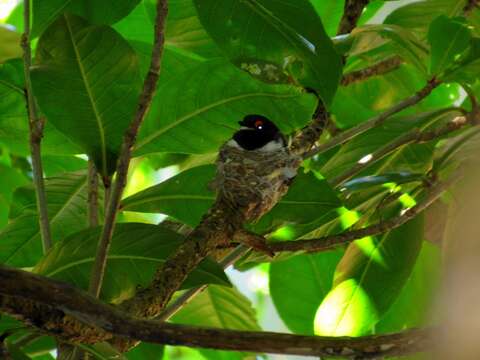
(252, 182)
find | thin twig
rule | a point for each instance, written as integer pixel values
(145, 100)
(28, 288)
(380, 68)
(36, 134)
(331, 241)
(92, 194)
(182, 300)
(375, 121)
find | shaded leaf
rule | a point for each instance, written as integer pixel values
(448, 39)
(414, 304)
(20, 243)
(98, 12)
(201, 118)
(299, 284)
(86, 81)
(136, 252)
(185, 197)
(146, 351)
(289, 36)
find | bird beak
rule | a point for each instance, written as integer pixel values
(242, 123)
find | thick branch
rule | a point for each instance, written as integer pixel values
(36, 134)
(375, 121)
(146, 97)
(331, 241)
(27, 287)
(351, 13)
(380, 68)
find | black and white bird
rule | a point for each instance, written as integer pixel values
(258, 133)
(255, 167)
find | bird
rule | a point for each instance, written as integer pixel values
(258, 133)
(254, 168)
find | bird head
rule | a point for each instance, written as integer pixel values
(257, 131)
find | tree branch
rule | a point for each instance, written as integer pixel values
(36, 134)
(145, 100)
(331, 241)
(380, 68)
(414, 136)
(27, 288)
(375, 121)
(351, 13)
(92, 194)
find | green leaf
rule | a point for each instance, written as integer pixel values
(449, 39)
(54, 165)
(299, 284)
(418, 15)
(412, 158)
(101, 351)
(20, 243)
(330, 11)
(368, 280)
(288, 37)
(11, 178)
(87, 81)
(185, 197)
(414, 304)
(219, 307)
(405, 42)
(136, 252)
(98, 12)
(9, 44)
(184, 30)
(365, 182)
(201, 119)
(146, 351)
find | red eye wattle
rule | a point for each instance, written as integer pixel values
(258, 123)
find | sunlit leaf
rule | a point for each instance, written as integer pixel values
(9, 44)
(368, 280)
(309, 277)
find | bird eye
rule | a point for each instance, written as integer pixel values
(259, 124)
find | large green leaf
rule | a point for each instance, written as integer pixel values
(186, 198)
(9, 44)
(136, 252)
(449, 39)
(368, 280)
(414, 304)
(199, 118)
(183, 29)
(86, 81)
(99, 12)
(288, 37)
(299, 284)
(219, 307)
(146, 351)
(20, 243)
